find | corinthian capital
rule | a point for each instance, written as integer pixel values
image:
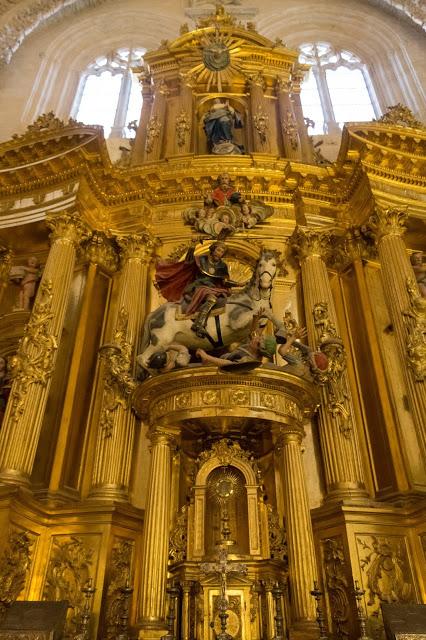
(67, 226)
(160, 436)
(137, 245)
(389, 222)
(307, 242)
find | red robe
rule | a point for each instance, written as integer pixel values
(218, 195)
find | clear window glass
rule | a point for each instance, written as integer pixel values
(109, 93)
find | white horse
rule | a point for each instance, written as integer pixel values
(233, 325)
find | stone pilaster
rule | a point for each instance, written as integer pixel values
(288, 124)
(138, 151)
(300, 540)
(114, 448)
(407, 309)
(259, 115)
(35, 361)
(155, 546)
(343, 468)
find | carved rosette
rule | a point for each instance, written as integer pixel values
(34, 361)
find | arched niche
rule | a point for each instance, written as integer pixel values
(241, 136)
(220, 455)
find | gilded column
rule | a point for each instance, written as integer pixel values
(155, 544)
(288, 124)
(306, 145)
(343, 468)
(156, 122)
(5, 264)
(186, 622)
(268, 585)
(35, 360)
(407, 309)
(114, 448)
(300, 539)
(259, 115)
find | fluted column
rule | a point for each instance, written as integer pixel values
(268, 585)
(407, 310)
(288, 124)
(156, 123)
(114, 448)
(5, 264)
(259, 115)
(186, 622)
(300, 539)
(35, 360)
(343, 468)
(155, 545)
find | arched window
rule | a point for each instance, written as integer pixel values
(338, 88)
(109, 93)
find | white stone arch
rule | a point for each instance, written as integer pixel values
(389, 63)
(198, 508)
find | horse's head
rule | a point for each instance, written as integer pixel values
(266, 269)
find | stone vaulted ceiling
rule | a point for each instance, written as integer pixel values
(18, 18)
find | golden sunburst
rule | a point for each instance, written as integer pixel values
(215, 60)
(223, 484)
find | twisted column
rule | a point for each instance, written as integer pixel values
(288, 124)
(114, 447)
(300, 540)
(155, 544)
(35, 361)
(343, 468)
(406, 308)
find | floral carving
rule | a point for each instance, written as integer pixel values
(415, 321)
(34, 361)
(179, 536)
(14, 565)
(401, 116)
(68, 571)
(289, 127)
(44, 124)
(119, 384)
(182, 127)
(333, 377)
(277, 535)
(153, 130)
(120, 569)
(261, 123)
(337, 585)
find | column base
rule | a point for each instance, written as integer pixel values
(347, 492)
(152, 634)
(304, 630)
(112, 493)
(13, 476)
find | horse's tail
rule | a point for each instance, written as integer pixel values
(151, 322)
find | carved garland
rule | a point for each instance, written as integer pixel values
(34, 361)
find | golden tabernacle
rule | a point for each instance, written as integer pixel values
(212, 359)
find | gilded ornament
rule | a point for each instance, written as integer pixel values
(100, 250)
(415, 322)
(120, 568)
(45, 123)
(306, 242)
(239, 396)
(216, 56)
(289, 127)
(68, 571)
(337, 583)
(67, 226)
(179, 536)
(390, 221)
(182, 127)
(153, 130)
(261, 123)
(401, 116)
(34, 361)
(14, 565)
(276, 534)
(183, 400)
(118, 384)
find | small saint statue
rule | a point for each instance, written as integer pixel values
(219, 123)
(27, 276)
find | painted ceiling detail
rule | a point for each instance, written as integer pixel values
(19, 18)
